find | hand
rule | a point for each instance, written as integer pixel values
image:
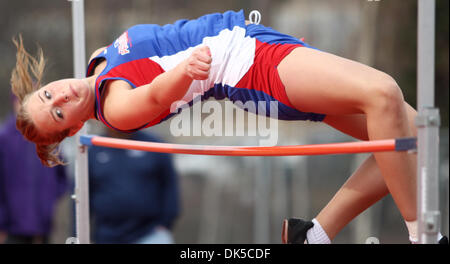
(199, 63)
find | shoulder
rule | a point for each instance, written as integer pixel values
(97, 52)
(99, 66)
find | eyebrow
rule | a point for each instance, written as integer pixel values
(50, 111)
(54, 118)
(40, 97)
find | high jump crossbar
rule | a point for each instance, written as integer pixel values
(402, 144)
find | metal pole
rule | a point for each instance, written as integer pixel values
(261, 218)
(427, 122)
(81, 196)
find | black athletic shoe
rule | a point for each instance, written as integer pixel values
(294, 231)
(443, 240)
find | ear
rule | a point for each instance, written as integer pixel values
(75, 129)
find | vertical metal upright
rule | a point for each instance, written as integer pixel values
(81, 196)
(262, 204)
(427, 122)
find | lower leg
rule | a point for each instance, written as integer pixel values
(364, 188)
(356, 126)
(347, 202)
(398, 169)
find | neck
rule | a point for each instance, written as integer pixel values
(90, 82)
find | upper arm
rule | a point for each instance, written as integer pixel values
(126, 108)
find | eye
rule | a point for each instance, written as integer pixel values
(47, 94)
(59, 113)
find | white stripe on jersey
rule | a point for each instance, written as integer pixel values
(232, 56)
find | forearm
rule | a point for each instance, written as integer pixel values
(170, 86)
(150, 100)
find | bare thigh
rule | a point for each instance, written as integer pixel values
(321, 82)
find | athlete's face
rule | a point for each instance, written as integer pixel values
(60, 105)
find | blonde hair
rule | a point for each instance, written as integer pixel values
(26, 78)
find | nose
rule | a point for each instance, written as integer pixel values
(61, 98)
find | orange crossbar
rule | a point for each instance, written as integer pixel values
(316, 149)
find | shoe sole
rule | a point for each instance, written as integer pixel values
(284, 232)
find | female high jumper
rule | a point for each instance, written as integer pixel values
(132, 83)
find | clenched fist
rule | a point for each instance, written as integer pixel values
(199, 63)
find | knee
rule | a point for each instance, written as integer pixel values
(386, 95)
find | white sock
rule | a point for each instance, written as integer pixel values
(412, 230)
(440, 236)
(316, 234)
